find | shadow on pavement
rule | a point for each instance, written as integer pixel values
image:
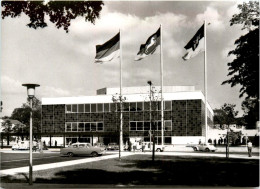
(180, 171)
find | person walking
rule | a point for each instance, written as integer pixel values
(249, 147)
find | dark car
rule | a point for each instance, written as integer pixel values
(112, 146)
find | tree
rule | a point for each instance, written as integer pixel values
(23, 115)
(244, 69)
(226, 115)
(7, 128)
(59, 12)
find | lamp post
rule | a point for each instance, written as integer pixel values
(121, 100)
(227, 145)
(30, 93)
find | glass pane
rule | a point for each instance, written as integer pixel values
(93, 108)
(100, 107)
(146, 126)
(93, 126)
(81, 127)
(112, 107)
(132, 126)
(100, 126)
(167, 105)
(139, 106)
(168, 125)
(87, 107)
(133, 106)
(81, 107)
(147, 106)
(68, 108)
(68, 127)
(140, 126)
(126, 107)
(106, 107)
(74, 127)
(87, 126)
(159, 125)
(74, 108)
(159, 105)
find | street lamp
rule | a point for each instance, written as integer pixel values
(30, 93)
(227, 145)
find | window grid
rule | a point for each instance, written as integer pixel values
(111, 107)
(145, 126)
(84, 126)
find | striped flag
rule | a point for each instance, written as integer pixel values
(195, 45)
(150, 46)
(109, 50)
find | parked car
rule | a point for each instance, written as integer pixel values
(112, 146)
(148, 146)
(82, 149)
(21, 145)
(204, 147)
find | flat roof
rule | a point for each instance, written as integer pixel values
(194, 95)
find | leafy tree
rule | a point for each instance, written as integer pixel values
(226, 115)
(59, 12)
(244, 69)
(7, 128)
(23, 115)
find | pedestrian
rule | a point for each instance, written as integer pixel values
(249, 147)
(215, 142)
(55, 143)
(134, 146)
(143, 146)
(200, 141)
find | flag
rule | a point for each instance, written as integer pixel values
(109, 50)
(150, 46)
(195, 45)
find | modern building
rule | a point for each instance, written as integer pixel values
(97, 118)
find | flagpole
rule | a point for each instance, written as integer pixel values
(120, 98)
(205, 82)
(161, 65)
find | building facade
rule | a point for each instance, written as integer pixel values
(97, 118)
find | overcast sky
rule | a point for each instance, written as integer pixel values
(63, 63)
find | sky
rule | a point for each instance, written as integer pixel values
(63, 63)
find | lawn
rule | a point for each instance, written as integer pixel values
(165, 170)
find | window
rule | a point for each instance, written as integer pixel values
(106, 107)
(133, 106)
(74, 108)
(139, 126)
(100, 126)
(147, 106)
(81, 145)
(68, 109)
(93, 107)
(112, 107)
(139, 106)
(74, 127)
(87, 126)
(132, 126)
(68, 127)
(93, 126)
(167, 125)
(81, 127)
(81, 107)
(100, 107)
(74, 145)
(159, 125)
(87, 107)
(126, 107)
(167, 105)
(146, 126)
